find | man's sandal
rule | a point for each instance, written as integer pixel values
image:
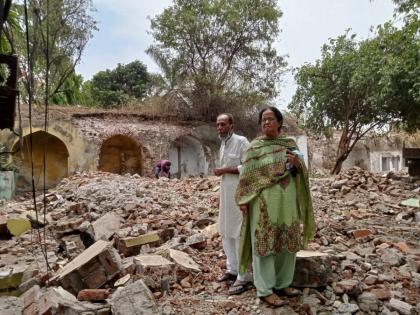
(273, 300)
(225, 277)
(239, 287)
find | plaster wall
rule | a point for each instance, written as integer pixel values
(187, 157)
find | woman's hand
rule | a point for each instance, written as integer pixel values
(292, 158)
(244, 208)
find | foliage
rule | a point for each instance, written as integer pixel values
(358, 86)
(170, 68)
(70, 93)
(111, 88)
(219, 48)
(59, 31)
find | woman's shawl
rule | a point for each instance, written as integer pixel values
(256, 175)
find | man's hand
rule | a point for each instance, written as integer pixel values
(244, 208)
(219, 171)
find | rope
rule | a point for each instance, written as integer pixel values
(30, 78)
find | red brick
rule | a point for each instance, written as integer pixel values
(93, 295)
(96, 279)
(402, 247)
(361, 233)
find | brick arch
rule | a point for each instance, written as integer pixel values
(56, 160)
(121, 154)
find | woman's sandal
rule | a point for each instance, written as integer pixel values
(273, 300)
(290, 291)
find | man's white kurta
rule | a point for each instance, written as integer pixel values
(232, 153)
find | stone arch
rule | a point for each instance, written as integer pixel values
(56, 160)
(187, 156)
(121, 154)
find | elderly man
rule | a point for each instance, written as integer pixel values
(232, 152)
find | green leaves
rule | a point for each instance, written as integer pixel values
(111, 88)
(221, 46)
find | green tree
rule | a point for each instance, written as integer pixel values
(170, 67)
(358, 86)
(111, 88)
(59, 31)
(223, 47)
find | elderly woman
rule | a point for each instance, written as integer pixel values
(273, 194)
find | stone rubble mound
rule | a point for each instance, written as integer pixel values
(135, 245)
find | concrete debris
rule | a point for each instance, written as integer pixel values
(135, 298)
(91, 269)
(138, 245)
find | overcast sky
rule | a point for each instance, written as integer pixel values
(306, 25)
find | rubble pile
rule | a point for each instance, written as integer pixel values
(116, 244)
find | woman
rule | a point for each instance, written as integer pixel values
(273, 194)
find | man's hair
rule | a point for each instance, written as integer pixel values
(229, 116)
(277, 114)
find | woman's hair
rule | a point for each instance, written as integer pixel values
(277, 114)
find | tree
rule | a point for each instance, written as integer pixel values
(357, 87)
(111, 88)
(169, 66)
(223, 47)
(59, 31)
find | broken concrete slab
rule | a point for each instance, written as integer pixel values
(134, 299)
(11, 305)
(91, 269)
(154, 269)
(313, 269)
(184, 264)
(106, 226)
(56, 300)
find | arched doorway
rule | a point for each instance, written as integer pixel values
(121, 154)
(187, 156)
(56, 160)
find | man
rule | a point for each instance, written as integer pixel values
(232, 152)
(162, 168)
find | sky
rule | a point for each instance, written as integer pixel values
(306, 25)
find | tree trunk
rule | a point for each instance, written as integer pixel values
(342, 151)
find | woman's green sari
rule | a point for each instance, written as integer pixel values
(280, 217)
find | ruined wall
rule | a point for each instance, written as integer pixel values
(66, 152)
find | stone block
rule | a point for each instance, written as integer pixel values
(135, 298)
(154, 269)
(184, 264)
(130, 246)
(106, 226)
(401, 307)
(11, 279)
(313, 269)
(197, 241)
